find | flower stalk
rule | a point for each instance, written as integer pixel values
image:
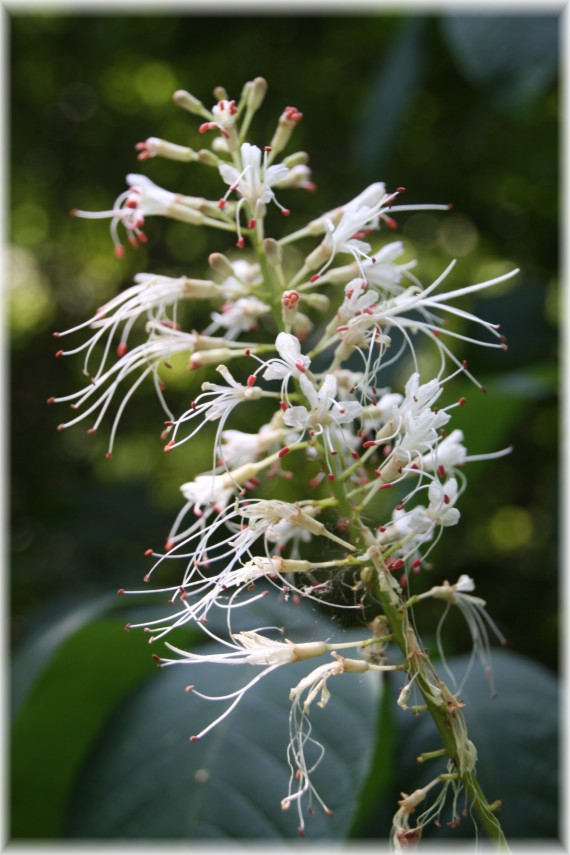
(353, 445)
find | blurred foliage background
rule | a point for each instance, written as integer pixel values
(456, 108)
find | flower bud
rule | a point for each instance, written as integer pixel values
(221, 264)
(256, 93)
(297, 159)
(207, 157)
(200, 289)
(272, 251)
(189, 102)
(287, 121)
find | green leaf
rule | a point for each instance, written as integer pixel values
(396, 78)
(82, 679)
(145, 779)
(514, 56)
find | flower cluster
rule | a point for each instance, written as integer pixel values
(312, 351)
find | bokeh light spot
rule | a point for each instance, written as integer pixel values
(511, 528)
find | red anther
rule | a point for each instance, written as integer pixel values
(121, 349)
(416, 564)
(133, 241)
(58, 353)
(328, 812)
(120, 251)
(369, 443)
(441, 471)
(504, 347)
(301, 831)
(240, 243)
(142, 237)
(284, 451)
(330, 476)
(381, 528)
(251, 380)
(126, 627)
(385, 486)
(355, 455)
(310, 811)
(251, 224)
(206, 126)
(399, 508)
(169, 545)
(450, 206)
(189, 688)
(108, 456)
(91, 431)
(286, 212)
(461, 401)
(484, 389)
(403, 581)
(464, 364)
(400, 189)
(446, 499)
(148, 552)
(169, 445)
(342, 328)
(73, 212)
(56, 334)
(436, 333)
(247, 351)
(314, 482)
(121, 591)
(146, 578)
(156, 657)
(315, 277)
(222, 204)
(50, 400)
(131, 203)
(60, 427)
(267, 148)
(392, 224)
(284, 405)
(300, 366)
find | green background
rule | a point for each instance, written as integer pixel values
(455, 108)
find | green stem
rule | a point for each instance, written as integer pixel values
(272, 289)
(442, 705)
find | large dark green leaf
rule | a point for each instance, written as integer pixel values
(515, 56)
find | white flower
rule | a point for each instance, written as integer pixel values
(358, 300)
(239, 283)
(476, 617)
(304, 753)
(382, 272)
(325, 413)
(290, 363)
(239, 447)
(214, 404)
(442, 498)
(152, 294)
(253, 183)
(143, 199)
(239, 317)
(144, 360)
(449, 453)
(223, 117)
